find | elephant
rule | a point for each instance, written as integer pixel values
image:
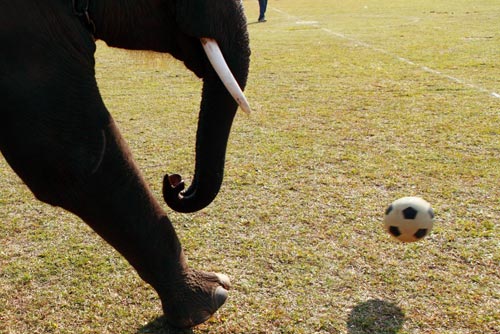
(60, 139)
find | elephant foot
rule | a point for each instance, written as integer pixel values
(196, 299)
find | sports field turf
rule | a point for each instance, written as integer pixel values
(356, 103)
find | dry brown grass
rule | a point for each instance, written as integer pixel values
(342, 127)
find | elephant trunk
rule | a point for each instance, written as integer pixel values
(217, 111)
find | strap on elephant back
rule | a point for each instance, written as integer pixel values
(81, 9)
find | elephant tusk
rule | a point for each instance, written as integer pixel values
(216, 58)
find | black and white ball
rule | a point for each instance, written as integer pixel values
(409, 219)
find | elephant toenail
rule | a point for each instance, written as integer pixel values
(224, 281)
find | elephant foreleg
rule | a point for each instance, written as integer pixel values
(76, 159)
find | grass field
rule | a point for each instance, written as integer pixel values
(356, 103)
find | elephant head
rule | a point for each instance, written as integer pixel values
(210, 37)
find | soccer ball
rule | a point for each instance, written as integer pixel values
(409, 219)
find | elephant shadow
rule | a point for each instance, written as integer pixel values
(375, 316)
(160, 326)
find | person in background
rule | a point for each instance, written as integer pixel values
(263, 7)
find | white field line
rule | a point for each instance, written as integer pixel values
(424, 68)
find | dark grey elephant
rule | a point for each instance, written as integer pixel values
(58, 136)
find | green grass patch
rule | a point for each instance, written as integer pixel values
(342, 127)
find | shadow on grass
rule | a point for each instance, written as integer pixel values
(160, 326)
(375, 317)
(254, 22)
